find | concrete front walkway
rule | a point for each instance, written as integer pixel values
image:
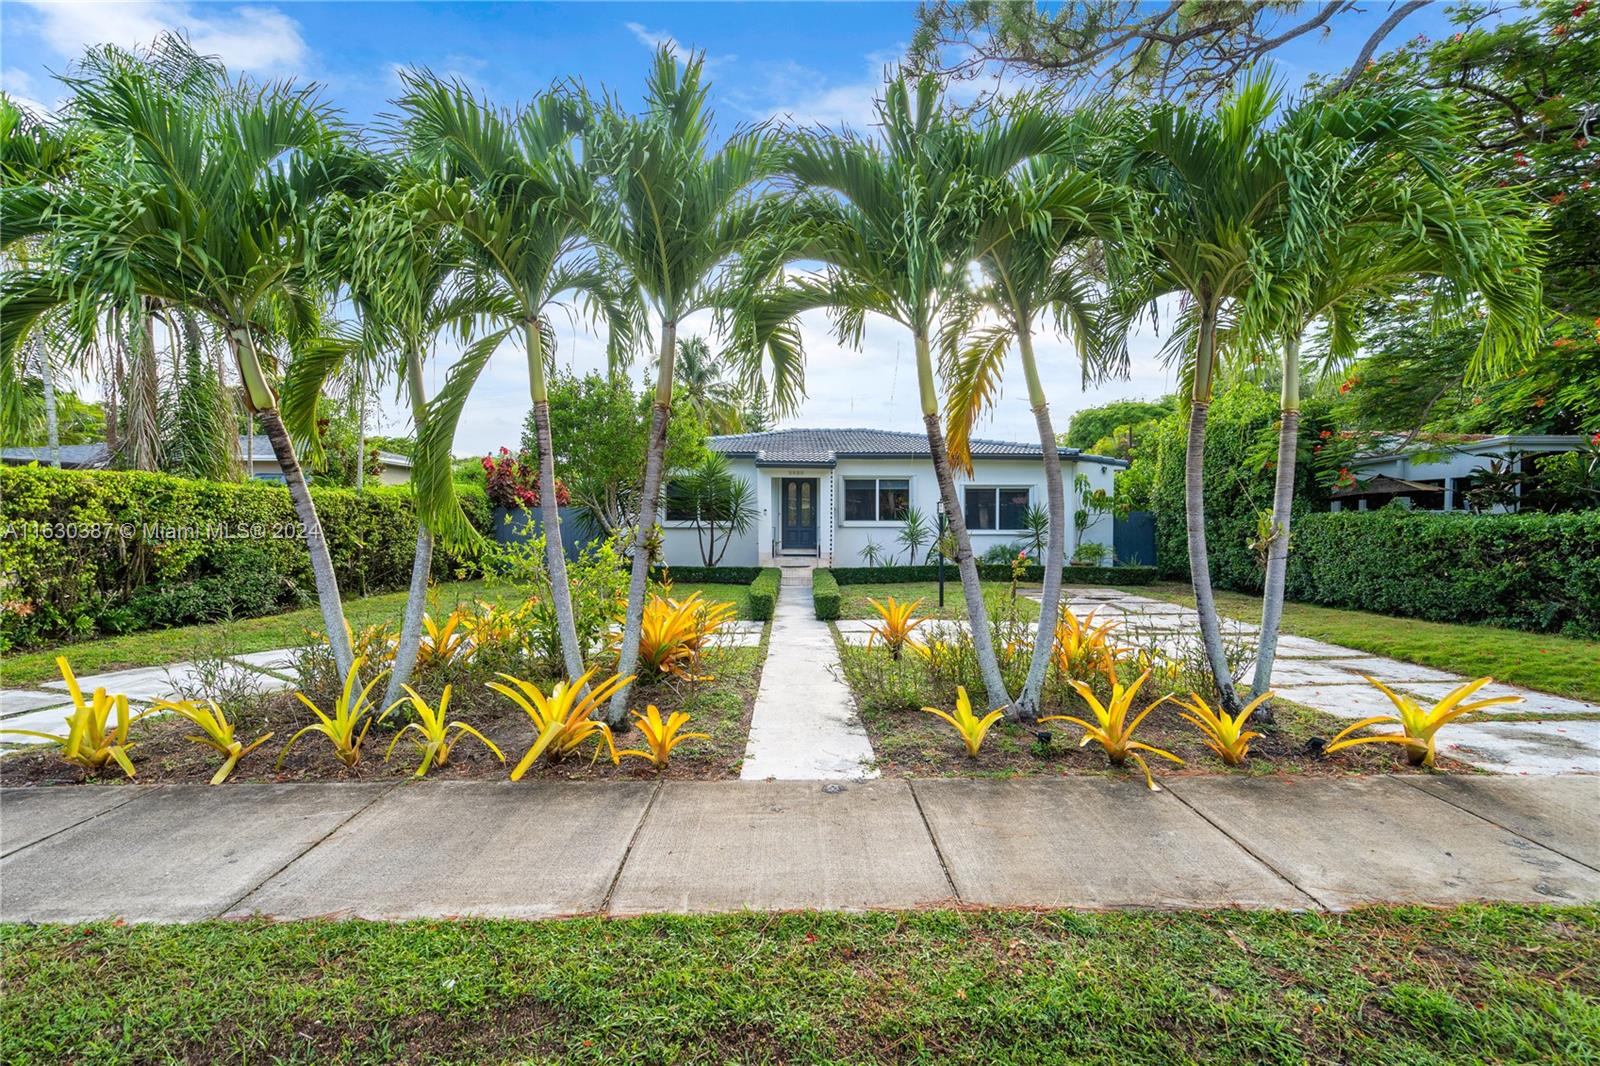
(444, 849)
(804, 726)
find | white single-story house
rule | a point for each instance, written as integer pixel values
(255, 456)
(1434, 473)
(826, 493)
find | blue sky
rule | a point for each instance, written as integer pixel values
(814, 62)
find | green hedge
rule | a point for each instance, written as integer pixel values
(764, 594)
(1073, 575)
(1537, 572)
(708, 575)
(825, 594)
(91, 551)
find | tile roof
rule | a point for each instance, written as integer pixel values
(823, 447)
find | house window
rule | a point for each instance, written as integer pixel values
(990, 508)
(678, 505)
(882, 499)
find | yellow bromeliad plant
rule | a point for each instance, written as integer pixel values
(972, 728)
(432, 729)
(661, 736)
(346, 727)
(1111, 728)
(447, 642)
(91, 740)
(895, 625)
(561, 719)
(1223, 733)
(488, 626)
(709, 618)
(1419, 725)
(1081, 646)
(674, 634)
(216, 732)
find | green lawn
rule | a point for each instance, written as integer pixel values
(853, 598)
(1560, 665)
(158, 646)
(1392, 985)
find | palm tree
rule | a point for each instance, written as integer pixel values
(199, 198)
(1219, 187)
(893, 222)
(678, 215)
(1400, 219)
(1043, 227)
(512, 186)
(705, 391)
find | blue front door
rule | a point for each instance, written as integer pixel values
(799, 513)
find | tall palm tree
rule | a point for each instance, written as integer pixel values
(1044, 226)
(1219, 186)
(513, 187)
(200, 199)
(678, 215)
(893, 222)
(704, 389)
(1400, 218)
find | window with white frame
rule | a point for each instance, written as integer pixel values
(991, 508)
(876, 499)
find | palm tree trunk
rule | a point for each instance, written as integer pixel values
(52, 425)
(1194, 515)
(405, 657)
(649, 500)
(1282, 515)
(361, 428)
(1055, 546)
(144, 395)
(549, 510)
(966, 565)
(259, 396)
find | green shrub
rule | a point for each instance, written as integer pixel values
(764, 594)
(1537, 572)
(86, 551)
(825, 594)
(708, 575)
(1073, 575)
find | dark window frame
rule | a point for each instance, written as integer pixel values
(894, 484)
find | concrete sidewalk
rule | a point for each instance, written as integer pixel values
(547, 849)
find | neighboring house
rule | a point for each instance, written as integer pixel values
(1435, 473)
(825, 493)
(255, 454)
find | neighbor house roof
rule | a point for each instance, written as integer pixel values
(1384, 485)
(1397, 446)
(260, 446)
(824, 447)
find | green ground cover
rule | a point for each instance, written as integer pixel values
(1382, 984)
(853, 599)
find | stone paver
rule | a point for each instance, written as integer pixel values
(29, 815)
(1024, 843)
(280, 661)
(733, 845)
(49, 720)
(1392, 672)
(141, 685)
(1558, 747)
(1562, 813)
(436, 849)
(804, 726)
(15, 701)
(183, 853)
(1341, 701)
(1347, 842)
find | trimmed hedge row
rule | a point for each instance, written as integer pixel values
(825, 594)
(1073, 575)
(1538, 572)
(708, 575)
(764, 594)
(87, 551)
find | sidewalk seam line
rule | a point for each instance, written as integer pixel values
(1504, 828)
(1316, 900)
(358, 812)
(627, 852)
(933, 838)
(85, 821)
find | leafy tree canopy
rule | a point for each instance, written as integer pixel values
(1096, 423)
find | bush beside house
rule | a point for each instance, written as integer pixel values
(96, 551)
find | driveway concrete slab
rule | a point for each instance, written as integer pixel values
(784, 845)
(1532, 702)
(279, 661)
(1541, 748)
(141, 685)
(432, 849)
(48, 720)
(1394, 672)
(1341, 701)
(29, 815)
(1562, 813)
(1351, 841)
(1291, 646)
(1086, 842)
(186, 853)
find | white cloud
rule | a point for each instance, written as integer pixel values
(247, 38)
(25, 90)
(653, 39)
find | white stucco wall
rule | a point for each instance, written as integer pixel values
(681, 545)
